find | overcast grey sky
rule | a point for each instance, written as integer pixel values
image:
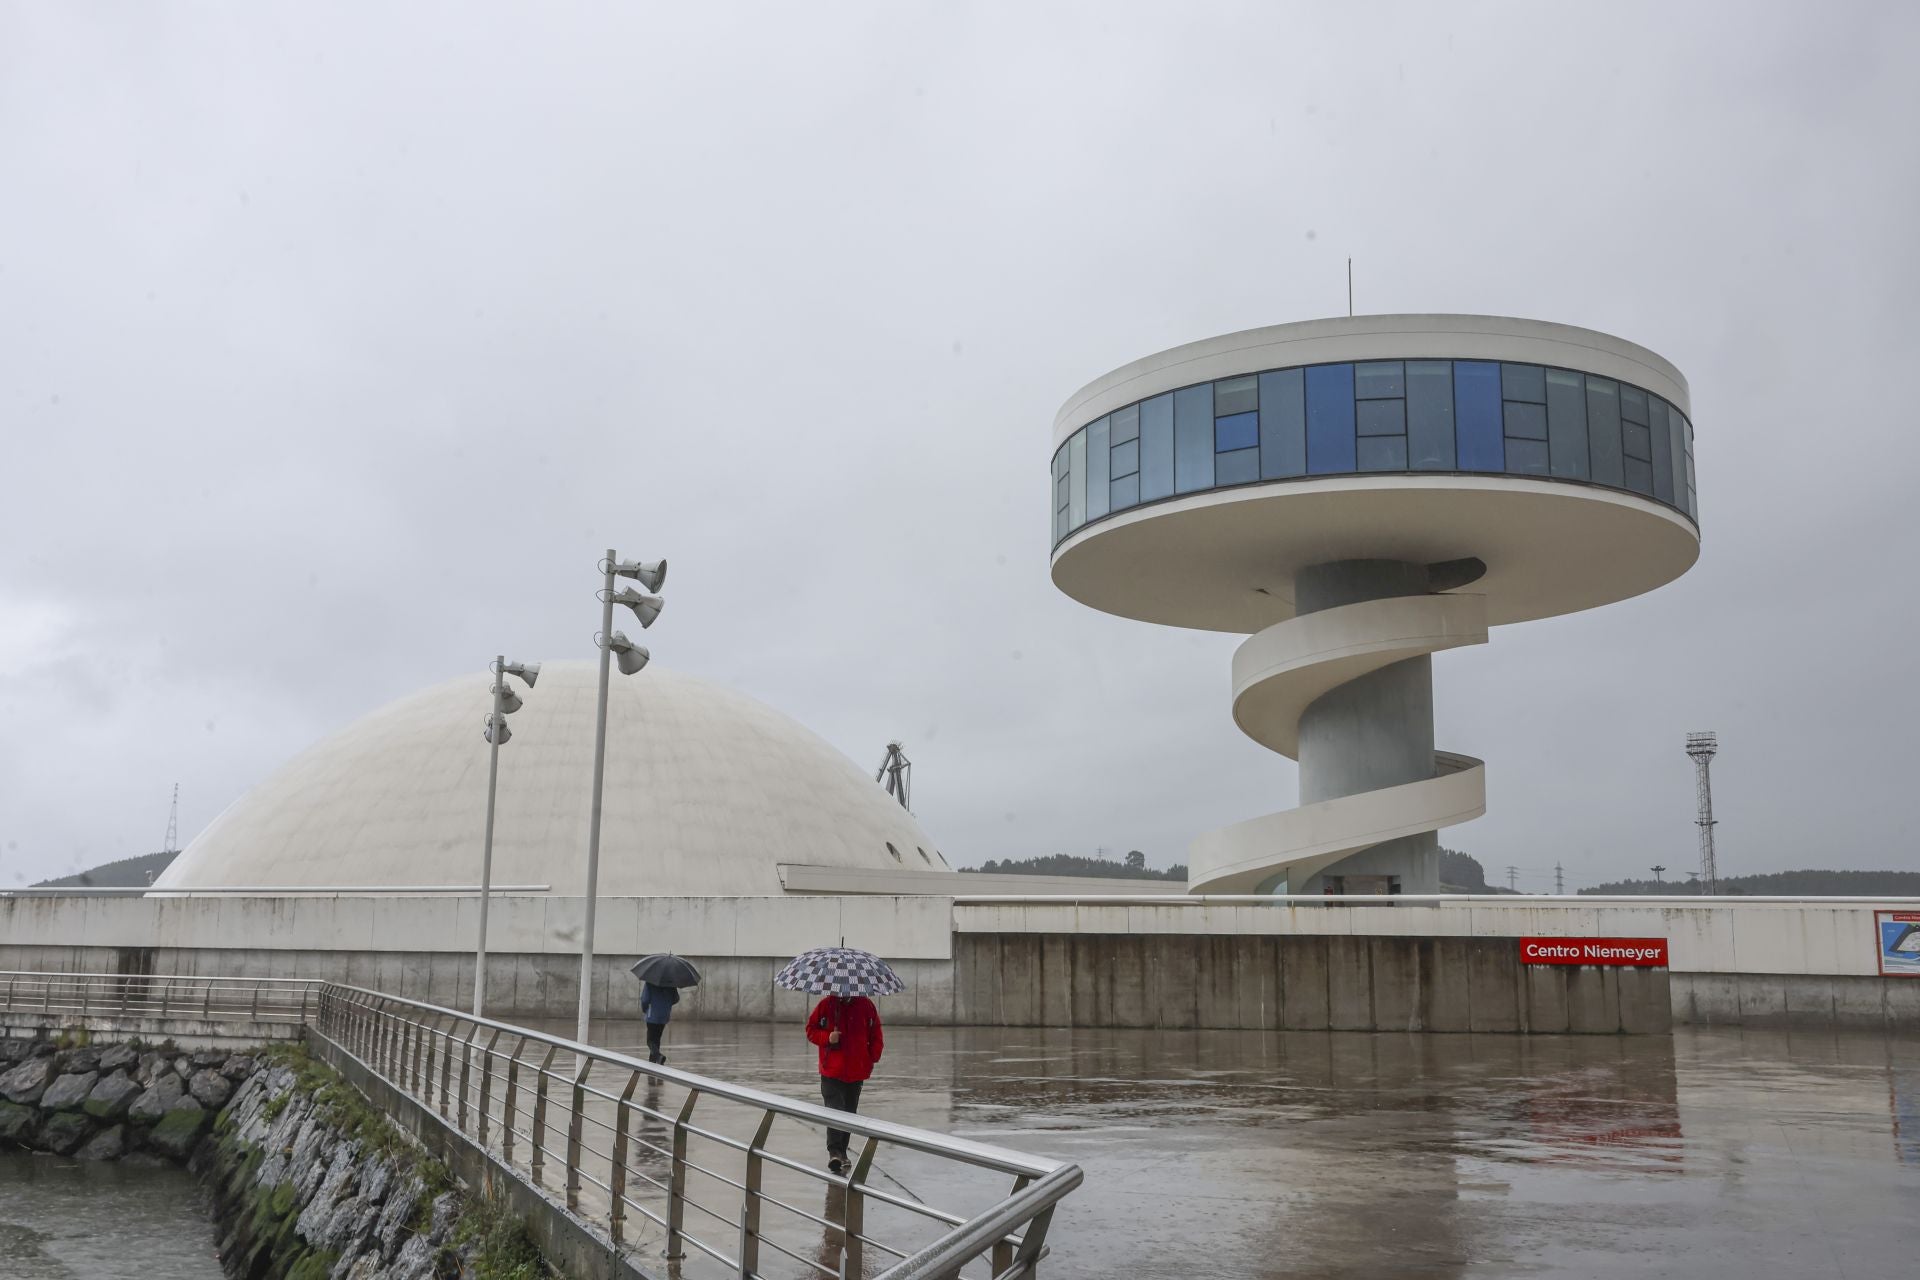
(337, 342)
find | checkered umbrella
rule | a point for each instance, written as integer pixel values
(843, 971)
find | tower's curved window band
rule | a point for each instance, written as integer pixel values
(1372, 417)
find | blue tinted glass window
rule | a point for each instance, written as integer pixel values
(1378, 378)
(1380, 417)
(1097, 455)
(1639, 476)
(1430, 415)
(1077, 480)
(1330, 419)
(1283, 424)
(1526, 421)
(1237, 467)
(1126, 459)
(1662, 450)
(1476, 415)
(1383, 453)
(1156, 448)
(1523, 382)
(1124, 492)
(1193, 438)
(1241, 431)
(1236, 395)
(1567, 425)
(1636, 440)
(1125, 424)
(1603, 429)
(1527, 457)
(1633, 404)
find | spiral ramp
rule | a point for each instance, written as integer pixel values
(1277, 674)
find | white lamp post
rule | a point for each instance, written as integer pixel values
(505, 702)
(651, 575)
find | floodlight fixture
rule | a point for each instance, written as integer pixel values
(645, 607)
(528, 671)
(651, 574)
(496, 730)
(509, 700)
(631, 657)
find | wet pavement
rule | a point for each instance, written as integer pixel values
(1249, 1154)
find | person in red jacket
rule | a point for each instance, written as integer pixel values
(847, 1029)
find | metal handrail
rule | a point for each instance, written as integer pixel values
(262, 891)
(531, 1102)
(1409, 899)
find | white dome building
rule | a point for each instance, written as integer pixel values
(708, 792)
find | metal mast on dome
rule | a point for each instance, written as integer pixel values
(897, 772)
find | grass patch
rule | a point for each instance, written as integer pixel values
(501, 1247)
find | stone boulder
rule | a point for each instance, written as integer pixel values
(183, 1067)
(211, 1088)
(108, 1144)
(17, 1124)
(151, 1064)
(179, 1130)
(81, 1061)
(210, 1058)
(13, 1050)
(394, 1218)
(237, 1068)
(112, 1097)
(119, 1057)
(26, 1082)
(68, 1092)
(64, 1133)
(158, 1099)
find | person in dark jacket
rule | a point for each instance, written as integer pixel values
(656, 1006)
(847, 1029)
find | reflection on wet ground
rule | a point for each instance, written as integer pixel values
(64, 1219)
(1248, 1154)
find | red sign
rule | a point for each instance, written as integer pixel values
(1641, 953)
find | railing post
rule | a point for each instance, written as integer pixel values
(486, 1084)
(86, 996)
(166, 995)
(507, 1101)
(855, 1220)
(413, 1059)
(537, 1134)
(582, 1066)
(466, 1067)
(617, 1179)
(750, 1199)
(446, 1062)
(1032, 1241)
(253, 1011)
(677, 1179)
(1002, 1251)
(206, 998)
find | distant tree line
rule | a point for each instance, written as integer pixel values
(1785, 884)
(126, 873)
(1073, 864)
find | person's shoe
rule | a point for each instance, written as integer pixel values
(656, 1058)
(836, 1165)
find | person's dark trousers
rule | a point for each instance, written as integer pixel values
(841, 1095)
(654, 1030)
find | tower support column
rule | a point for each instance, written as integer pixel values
(1372, 732)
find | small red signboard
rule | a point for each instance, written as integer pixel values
(1640, 953)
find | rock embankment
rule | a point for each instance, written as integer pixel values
(99, 1103)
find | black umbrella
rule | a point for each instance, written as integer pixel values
(666, 970)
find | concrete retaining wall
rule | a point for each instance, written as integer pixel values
(1294, 984)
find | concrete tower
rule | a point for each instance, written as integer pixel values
(1354, 495)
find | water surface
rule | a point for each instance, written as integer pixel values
(64, 1219)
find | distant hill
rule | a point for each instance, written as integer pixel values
(1462, 873)
(1070, 864)
(1785, 884)
(127, 873)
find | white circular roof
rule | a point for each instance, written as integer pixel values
(707, 792)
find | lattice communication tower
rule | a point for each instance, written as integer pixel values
(1702, 747)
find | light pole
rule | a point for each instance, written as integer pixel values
(652, 575)
(505, 702)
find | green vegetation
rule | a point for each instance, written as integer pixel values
(1787, 884)
(502, 1249)
(126, 873)
(1073, 864)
